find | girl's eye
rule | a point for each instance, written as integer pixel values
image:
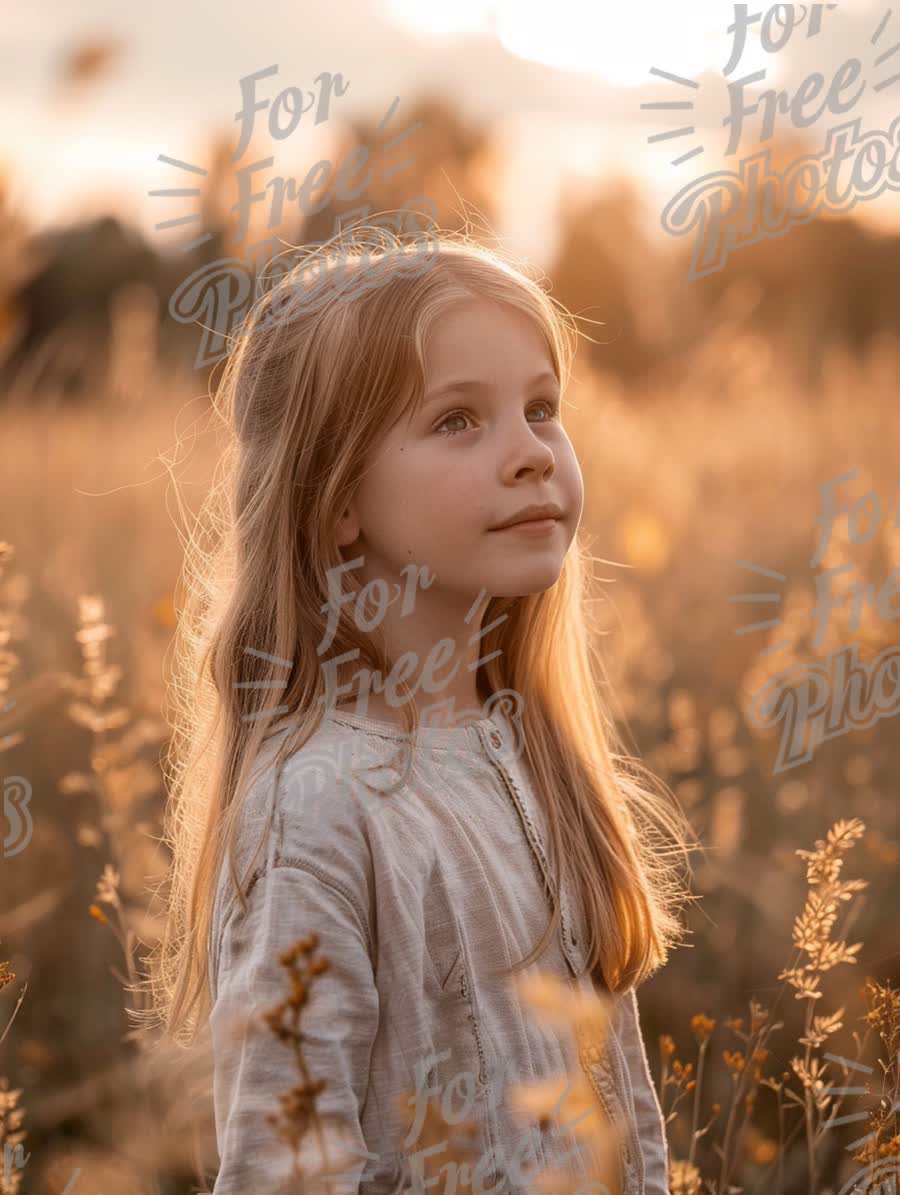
(444, 430)
(551, 405)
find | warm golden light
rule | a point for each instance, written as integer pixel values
(464, 16)
(617, 45)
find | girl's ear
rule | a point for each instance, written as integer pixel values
(347, 527)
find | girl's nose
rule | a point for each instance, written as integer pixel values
(528, 455)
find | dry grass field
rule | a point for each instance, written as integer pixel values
(709, 462)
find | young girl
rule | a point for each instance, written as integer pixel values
(395, 742)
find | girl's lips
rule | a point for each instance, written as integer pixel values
(535, 526)
(534, 512)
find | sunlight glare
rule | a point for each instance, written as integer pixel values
(436, 20)
(618, 45)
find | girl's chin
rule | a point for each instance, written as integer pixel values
(524, 582)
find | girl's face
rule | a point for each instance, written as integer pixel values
(485, 443)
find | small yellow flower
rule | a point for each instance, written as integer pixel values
(735, 1062)
(702, 1026)
(557, 1003)
(97, 913)
(666, 1045)
(684, 1178)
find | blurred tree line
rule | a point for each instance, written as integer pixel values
(833, 280)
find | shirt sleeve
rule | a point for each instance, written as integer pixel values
(651, 1129)
(253, 1067)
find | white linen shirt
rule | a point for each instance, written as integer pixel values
(417, 898)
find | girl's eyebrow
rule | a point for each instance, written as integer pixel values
(466, 385)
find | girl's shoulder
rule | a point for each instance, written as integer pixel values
(321, 795)
(306, 811)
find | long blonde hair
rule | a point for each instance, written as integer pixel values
(326, 362)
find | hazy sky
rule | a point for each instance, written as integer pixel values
(179, 80)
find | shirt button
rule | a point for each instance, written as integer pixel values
(496, 740)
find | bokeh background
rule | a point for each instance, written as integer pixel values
(707, 413)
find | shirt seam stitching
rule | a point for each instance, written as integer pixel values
(293, 863)
(402, 738)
